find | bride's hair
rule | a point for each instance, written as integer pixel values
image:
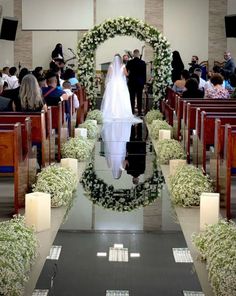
(118, 55)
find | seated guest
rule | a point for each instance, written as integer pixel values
(37, 72)
(67, 89)
(52, 94)
(202, 82)
(30, 95)
(13, 94)
(5, 103)
(5, 73)
(192, 89)
(69, 75)
(42, 81)
(217, 92)
(179, 85)
(12, 80)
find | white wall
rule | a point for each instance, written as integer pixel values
(186, 27)
(6, 47)
(111, 9)
(231, 42)
(44, 42)
(57, 14)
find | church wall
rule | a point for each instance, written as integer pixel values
(231, 42)
(6, 47)
(186, 28)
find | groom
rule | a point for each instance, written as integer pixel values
(136, 79)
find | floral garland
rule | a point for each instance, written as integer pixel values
(187, 184)
(60, 182)
(18, 250)
(122, 200)
(169, 149)
(217, 245)
(129, 27)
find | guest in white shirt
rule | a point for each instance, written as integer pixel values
(202, 82)
(5, 73)
(12, 80)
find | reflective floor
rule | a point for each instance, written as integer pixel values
(106, 252)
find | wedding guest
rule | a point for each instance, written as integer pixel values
(202, 82)
(38, 71)
(217, 92)
(30, 95)
(5, 73)
(229, 66)
(69, 75)
(192, 89)
(12, 80)
(179, 85)
(52, 94)
(13, 94)
(57, 52)
(177, 66)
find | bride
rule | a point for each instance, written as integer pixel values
(116, 99)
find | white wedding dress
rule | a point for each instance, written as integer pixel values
(116, 99)
(115, 135)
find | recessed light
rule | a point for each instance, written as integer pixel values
(118, 246)
(134, 255)
(101, 254)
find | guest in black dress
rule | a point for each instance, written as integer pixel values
(177, 66)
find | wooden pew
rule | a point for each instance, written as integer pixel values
(12, 160)
(189, 119)
(180, 108)
(60, 126)
(229, 164)
(216, 155)
(80, 111)
(205, 131)
(29, 151)
(168, 113)
(41, 130)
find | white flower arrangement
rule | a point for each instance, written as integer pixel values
(17, 253)
(122, 200)
(91, 127)
(187, 184)
(217, 245)
(60, 182)
(130, 27)
(153, 115)
(169, 149)
(156, 126)
(79, 148)
(95, 115)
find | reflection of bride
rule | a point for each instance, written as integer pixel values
(116, 99)
(115, 135)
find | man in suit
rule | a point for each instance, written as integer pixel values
(136, 79)
(229, 66)
(135, 161)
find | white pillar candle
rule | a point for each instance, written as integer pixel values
(209, 209)
(82, 132)
(164, 134)
(38, 210)
(71, 163)
(175, 163)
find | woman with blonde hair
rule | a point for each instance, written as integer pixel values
(30, 95)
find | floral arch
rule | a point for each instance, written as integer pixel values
(129, 27)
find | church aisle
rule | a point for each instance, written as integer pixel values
(142, 240)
